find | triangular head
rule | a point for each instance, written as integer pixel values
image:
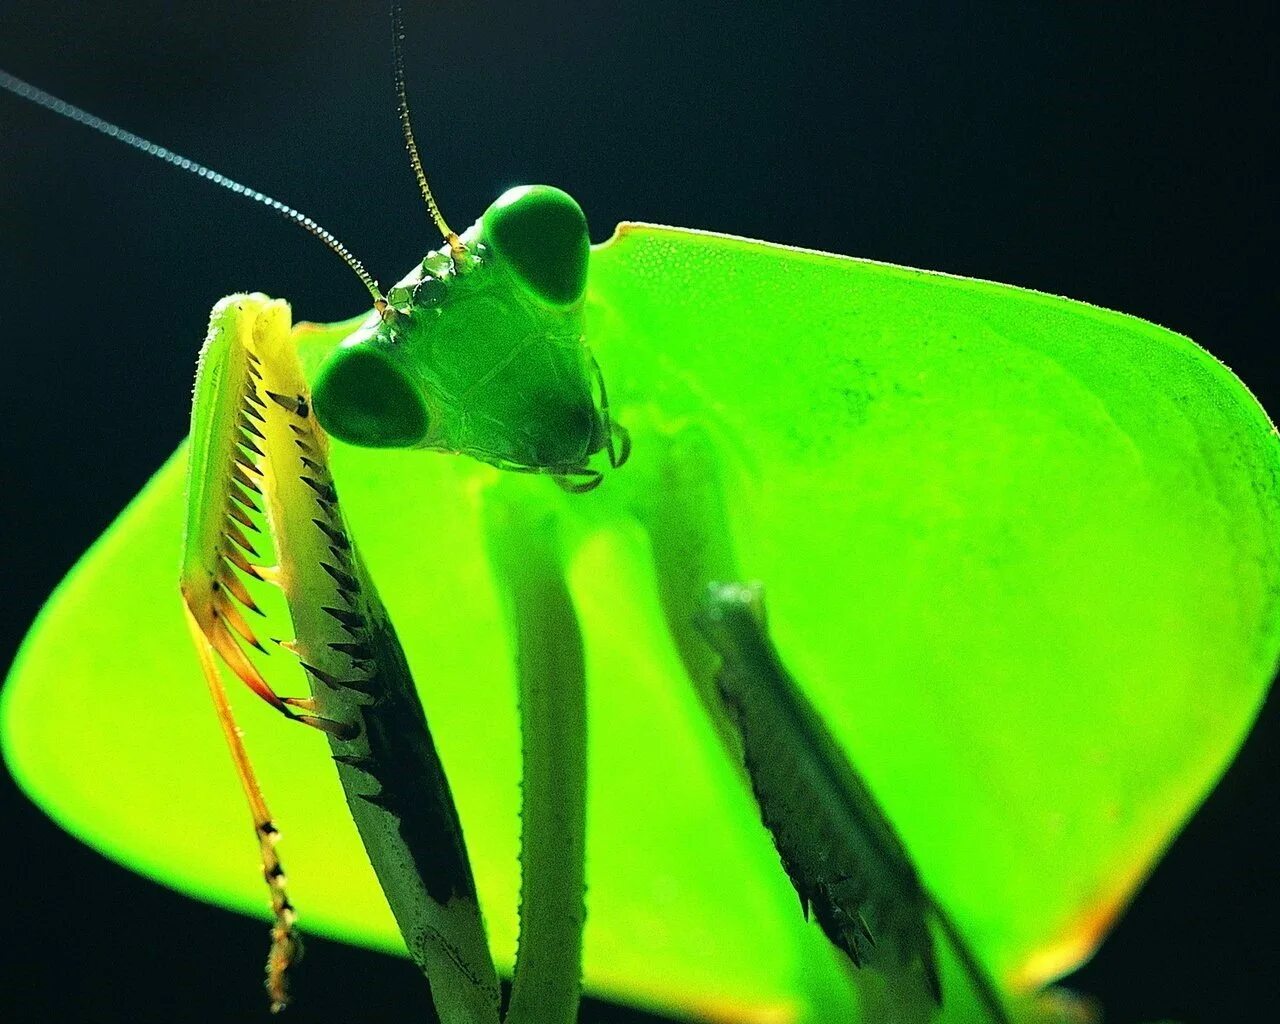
(482, 350)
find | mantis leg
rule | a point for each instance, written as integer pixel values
(224, 492)
(286, 948)
(524, 549)
(839, 849)
(252, 415)
(676, 492)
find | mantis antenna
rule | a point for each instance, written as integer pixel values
(456, 248)
(73, 113)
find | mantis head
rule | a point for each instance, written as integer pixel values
(481, 349)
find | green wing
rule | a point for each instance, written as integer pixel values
(1021, 553)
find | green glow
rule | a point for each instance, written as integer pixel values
(1022, 553)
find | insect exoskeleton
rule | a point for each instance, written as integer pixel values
(481, 349)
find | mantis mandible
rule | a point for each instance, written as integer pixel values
(607, 365)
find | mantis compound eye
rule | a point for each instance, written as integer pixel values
(541, 232)
(362, 398)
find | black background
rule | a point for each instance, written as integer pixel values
(1115, 153)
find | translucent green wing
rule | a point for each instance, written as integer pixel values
(1021, 553)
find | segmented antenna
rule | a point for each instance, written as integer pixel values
(73, 113)
(402, 105)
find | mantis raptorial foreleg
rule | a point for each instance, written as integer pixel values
(840, 851)
(675, 488)
(257, 450)
(843, 857)
(224, 492)
(252, 422)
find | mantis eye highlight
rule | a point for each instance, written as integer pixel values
(362, 398)
(542, 234)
